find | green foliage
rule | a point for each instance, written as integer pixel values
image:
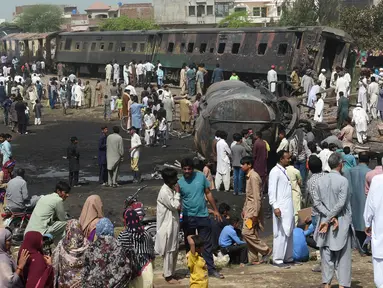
(236, 20)
(300, 13)
(125, 23)
(41, 18)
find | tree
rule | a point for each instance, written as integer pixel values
(41, 18)
(126, 23)
(236, 20)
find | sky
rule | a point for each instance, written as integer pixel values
(7, 10)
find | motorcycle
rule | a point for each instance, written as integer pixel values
(17, 222)
(149, 222)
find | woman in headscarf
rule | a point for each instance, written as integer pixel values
(68, 257)
(38, 272)
(104, 265)
(139, 247)
(10, 274)
(91, 213)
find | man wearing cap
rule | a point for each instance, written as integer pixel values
(319, 105)
(323, 84)
(272, 79)
(361, 119)
(135, 154)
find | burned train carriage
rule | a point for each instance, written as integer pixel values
(248, 51)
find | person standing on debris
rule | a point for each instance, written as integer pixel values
(347, 134)
(333, 235)
(307, 82)
(342, 114)
(362, 92)
(168, 224)
(361, 119)
(272, 79)
(342, 86)
(217, 74)
(252, 213)
(312, 98)
(322, 78)
(114, 156)
(356, 177)
(319, 106)
(103, 171)
(73, 157)
(280, 199)
(373, 217)
(194, 187)
(108, 71)
(373, 92)
(223, 163)
(295, 78)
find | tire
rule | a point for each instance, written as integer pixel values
(18, 230)
(152, 231)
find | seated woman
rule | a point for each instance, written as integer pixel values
(139, 247)
(38, 272)
(91, 213)
(104, 265)
(68, 257)
(10, 274)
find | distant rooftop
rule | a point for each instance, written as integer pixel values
(98, 6)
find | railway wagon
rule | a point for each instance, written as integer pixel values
(89, 52)
(252, 51)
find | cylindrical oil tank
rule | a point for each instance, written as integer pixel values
(232, 106)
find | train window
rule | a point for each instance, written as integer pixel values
(93, 47)
(110, 46)
(68, 43)
(122, 47)
(85, 46)
(202, 48)
(235, 48)
(190, 47)
(61, 45)
(262, 48)
(142, 47)
(78, 45)
(221, 48)
(170, 47)
(134, 47)
(299, 40)
(212, 50)
(102, 46)
(282, 49)
(183, 45)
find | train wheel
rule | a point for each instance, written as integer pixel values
(289, 114)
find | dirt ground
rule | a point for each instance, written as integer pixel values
(41, 154)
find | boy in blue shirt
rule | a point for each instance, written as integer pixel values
(348, 159)
(231, 244)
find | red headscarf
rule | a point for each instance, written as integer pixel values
(36, 273)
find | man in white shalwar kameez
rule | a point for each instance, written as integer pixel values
(108, 72)
(373, 218)
(362, 92)
(126, 74)
(319, 105)
(361, 119)
(272, 79)
(322, 78)
(280, 198)
(79, 92)
(373, 92)
(313, 94)
(223, 163)
(342, 85)
(168, 223)
(116, 72)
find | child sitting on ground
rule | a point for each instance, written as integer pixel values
(196, 263)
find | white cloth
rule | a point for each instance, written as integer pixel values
(347, 76)
(378, 271)
(373, 215)
(324, 155)
(5, 71)
(284, 145)
(323, 80)
(332, 79)
(126, 74)
(116, 72)
(319, 105)
(149, 67)
(280, 196)
(362, 93)
(168, 221)
(79, 92)
(140, 69)
(272, 76)
(223, 157)
(222, 178)
(163, 126)
(35, 79)
(360, 118)
(313, 95)
(342, 85)
(134, 142)
(19, 78)
(108, 71)
(282, 247)
(132, 89)
(373, 92)
(72, 77)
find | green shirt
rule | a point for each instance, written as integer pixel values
(119, 103)
(234, 77)
(49, 209)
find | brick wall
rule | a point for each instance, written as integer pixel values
(139, 10)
